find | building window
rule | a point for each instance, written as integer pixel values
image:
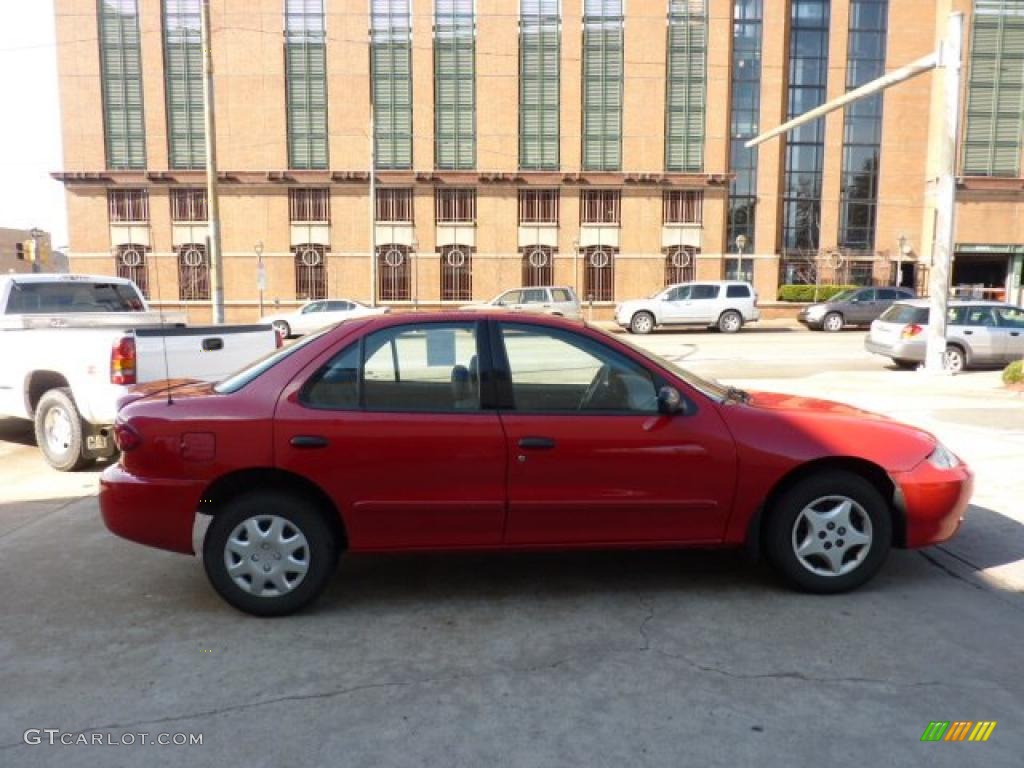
(456, 273)
(309, 205)
(394, 205)
(183, 66)
(539, 72)
(391, 61)
(860, 273)
(310, 271)
(862, 131)
(305, 56)
(680, 264)
(538, 265)
(685, 98)
(995, 90)
(193, 272)
(538, 206)
(599, 206)
(188, 205)
(744, 111)
(454, 84)
(737, 268)
(121, 76)
(455, 206)
(132, 263)
(394, 273)
(599, 273)
(682, 206)
(602, 85)
(128, 205)
(808, 67)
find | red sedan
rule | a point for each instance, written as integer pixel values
(500, 431)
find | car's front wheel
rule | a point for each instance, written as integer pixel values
(830, 532)
(642, 322)
(269, 553)
(833, 322)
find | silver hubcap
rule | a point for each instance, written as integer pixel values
(57, 429)
(832, 536)
(833, 322)
(730, 322)
(642, 323)
(952, 360)
(267, 556)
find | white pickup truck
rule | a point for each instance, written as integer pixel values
(72, 345)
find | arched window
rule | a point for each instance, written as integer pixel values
(599, 273)
(538, 265)
(193, 272)
(456, 273)
(680, 264)
(394, 273)
(310, 271)
(132, 263)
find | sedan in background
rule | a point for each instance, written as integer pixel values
(314, 315)
(857, 306)
(978, 333)
(560, 301)
(506, 431)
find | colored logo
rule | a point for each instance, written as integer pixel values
(958, 730)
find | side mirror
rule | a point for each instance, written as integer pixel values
(669, 401)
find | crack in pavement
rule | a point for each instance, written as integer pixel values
(34, 520)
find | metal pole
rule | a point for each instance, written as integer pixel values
(261, 276)
(945, 196)
(373, 209)
(212, 199)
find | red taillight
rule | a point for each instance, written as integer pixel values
(127, 439)
(122, 361)
(278, 339)
(910, 331)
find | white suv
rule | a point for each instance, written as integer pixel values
(722, 304)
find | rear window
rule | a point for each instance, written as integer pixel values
(72, 296)
(905, 313)
(737, 292)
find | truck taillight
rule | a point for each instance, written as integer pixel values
(910, 331)
(122, 361)
(126, 437)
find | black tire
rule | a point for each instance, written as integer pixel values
(730, 321)
(68, 456)
(782, 520)
(954, 360)
(282, 327)
(298, 514)
(833, 322)
(906, 365)
(641, 323)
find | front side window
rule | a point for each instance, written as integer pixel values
(557, 371)
(980, 316)
(535, 296)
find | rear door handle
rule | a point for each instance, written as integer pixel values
(968, 333)
(1015, 333)
(536, 443)
(309, 441)
(213, 344)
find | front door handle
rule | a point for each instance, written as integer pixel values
(309, 441)
(1015, 333)
(968, 333)
(536, 443)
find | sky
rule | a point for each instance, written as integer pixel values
(30, 141)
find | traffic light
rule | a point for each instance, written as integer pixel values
(29, 247)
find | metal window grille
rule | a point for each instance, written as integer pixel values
(538, 206)
(744, 118)
(121, 77)
(131, 262)
(128, 204)
(183, 67)
(456, 273)
(686, 77)
(394, 272)
(680, 264)
(602, 85)
(538, 265)
(394, 205)
(193, 272)
(600, 206)
(310, 271)
(188, 205)
(305, 55)
(539, 73)
(306, 205)
(682, 206)
(599, 273)
(736, 268)
(454, 84)
(455, 206)
(391, 80)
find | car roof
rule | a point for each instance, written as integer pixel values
(61, 277)
(956, 303)
(403, 318)
(709, 282)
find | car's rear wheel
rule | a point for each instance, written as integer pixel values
(830, 532)
(642, 322)
(282, 327)
(954, 360)
(269, 553)
(730, 321)
(59, 432)
(833, 322)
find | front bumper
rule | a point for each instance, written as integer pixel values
(811, 322)
(156, 512)
(934, 501)
(898, 350)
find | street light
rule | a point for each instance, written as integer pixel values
(261, 274)
(741, 243)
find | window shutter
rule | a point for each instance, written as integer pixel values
(454, 84)
(183, 54)
(392, 83)
(602, 85)
(306, 80)
(539, 74)
(685, 100)
(121, 74)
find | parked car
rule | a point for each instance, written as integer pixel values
(723, 304)
(558, 300)
(856, 306)
(978, 333)
(508, 431)
(314, 315)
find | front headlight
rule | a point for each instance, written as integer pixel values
(816, 311)
(943, 458)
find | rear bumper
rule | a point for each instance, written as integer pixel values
(898, 350)
(934, 502)
(156, 512)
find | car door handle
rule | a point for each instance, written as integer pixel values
(1015, 333)
(536, 443)
(309, 441)
(968, 333)
(213, 344)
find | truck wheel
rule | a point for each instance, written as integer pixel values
(59, 431)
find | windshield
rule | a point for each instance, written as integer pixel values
(657, 293)
(236, 381)
(32, 298)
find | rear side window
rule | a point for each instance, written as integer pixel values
(1010, 317)
(561, 295)
(535, 296)
(889, 294)
(72, 296)
(704, 292)
(905, 313)
(737, 292)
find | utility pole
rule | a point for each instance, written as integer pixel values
(212, 199)
(373, 209)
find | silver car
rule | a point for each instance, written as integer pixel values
(978, 333)
(559, 300)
